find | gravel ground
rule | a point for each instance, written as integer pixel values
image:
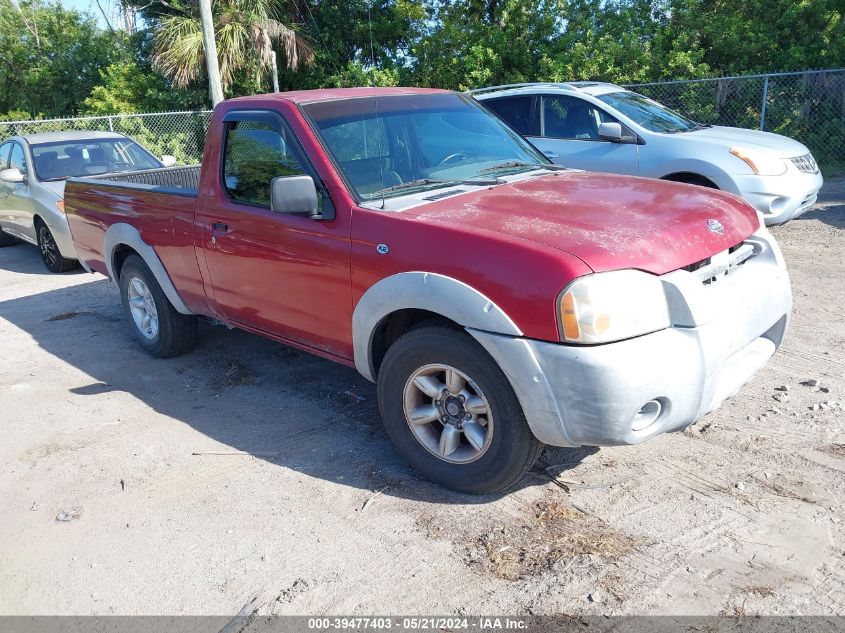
(246, 469)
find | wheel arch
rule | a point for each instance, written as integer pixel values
(122, 240)
(397, 303)
(690, 177)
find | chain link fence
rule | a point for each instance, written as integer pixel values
(180, 134)
(807, 106)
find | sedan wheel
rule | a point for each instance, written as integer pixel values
(50, 254)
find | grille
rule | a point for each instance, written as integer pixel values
(806, 164)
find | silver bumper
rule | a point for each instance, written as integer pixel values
(778, 198)
(723, 333)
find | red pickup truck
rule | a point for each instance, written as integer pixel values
(501, 303)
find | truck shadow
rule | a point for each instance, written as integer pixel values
(21, 262)
(245, 393)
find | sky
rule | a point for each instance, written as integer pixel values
(90, 6)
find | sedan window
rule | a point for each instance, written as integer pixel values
(650, 114)
(570, 118)
(17, 160)
(515, 111)
(70, 159)
(5, 149)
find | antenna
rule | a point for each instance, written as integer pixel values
(375, 100)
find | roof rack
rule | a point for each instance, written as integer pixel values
(553, 84)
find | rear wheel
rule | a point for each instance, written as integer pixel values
(452, 413)
(7, 240)
(50, 254)
(157, 325)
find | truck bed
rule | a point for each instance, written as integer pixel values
(178, 180)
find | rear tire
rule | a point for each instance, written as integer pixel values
(50, 254)
(7, 240)
(452, 413)
(157, 325)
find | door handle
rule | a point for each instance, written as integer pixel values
(549, 154)
(220, 226)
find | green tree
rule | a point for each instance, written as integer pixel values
(247, 32)
(50, 57)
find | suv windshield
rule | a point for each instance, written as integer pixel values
(71, 159)
(650, 114)
(394, 145)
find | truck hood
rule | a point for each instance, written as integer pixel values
(729, 137)
(609, 222)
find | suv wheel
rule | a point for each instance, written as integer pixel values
(50, 254)
(157, 325)
(452, 413)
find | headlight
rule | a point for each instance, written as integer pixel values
(761, 163)
(606, 307)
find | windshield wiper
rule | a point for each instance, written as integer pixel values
(512, 164)
(424, 182)
(57, 178)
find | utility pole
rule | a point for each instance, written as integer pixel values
(215, 86)
(275, 70)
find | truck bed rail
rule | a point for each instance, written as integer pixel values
(167, 177)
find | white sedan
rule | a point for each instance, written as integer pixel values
(33, 170)
(604, 127)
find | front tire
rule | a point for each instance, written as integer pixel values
(50, 255)
(157, 325)
(452, 413)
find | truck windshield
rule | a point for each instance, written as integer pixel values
(651, 115)
(398, 144)
(71, 159)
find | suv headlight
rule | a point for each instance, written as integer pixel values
(761, 163)
(606, 307)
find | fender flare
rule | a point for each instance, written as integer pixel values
(436, 293)
(127, 235)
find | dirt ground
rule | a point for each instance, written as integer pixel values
(246, 469)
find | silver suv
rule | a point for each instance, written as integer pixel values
(604, 127)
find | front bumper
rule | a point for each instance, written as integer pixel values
(722, 334)
(778, 198)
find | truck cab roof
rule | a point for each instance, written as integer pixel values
(335, 94)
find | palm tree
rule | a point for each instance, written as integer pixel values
(246, 32)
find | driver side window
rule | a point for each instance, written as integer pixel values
(566, 117)
(256, 153)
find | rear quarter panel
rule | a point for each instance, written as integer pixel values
(165, 221)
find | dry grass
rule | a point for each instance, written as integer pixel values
(553, 532)
(234, 374)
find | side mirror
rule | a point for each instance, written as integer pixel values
(12, 175)
(168, 161)
(294, 194)
(610, 131)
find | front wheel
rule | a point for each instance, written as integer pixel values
(157, 325)
(452, 413)
(50, 254)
